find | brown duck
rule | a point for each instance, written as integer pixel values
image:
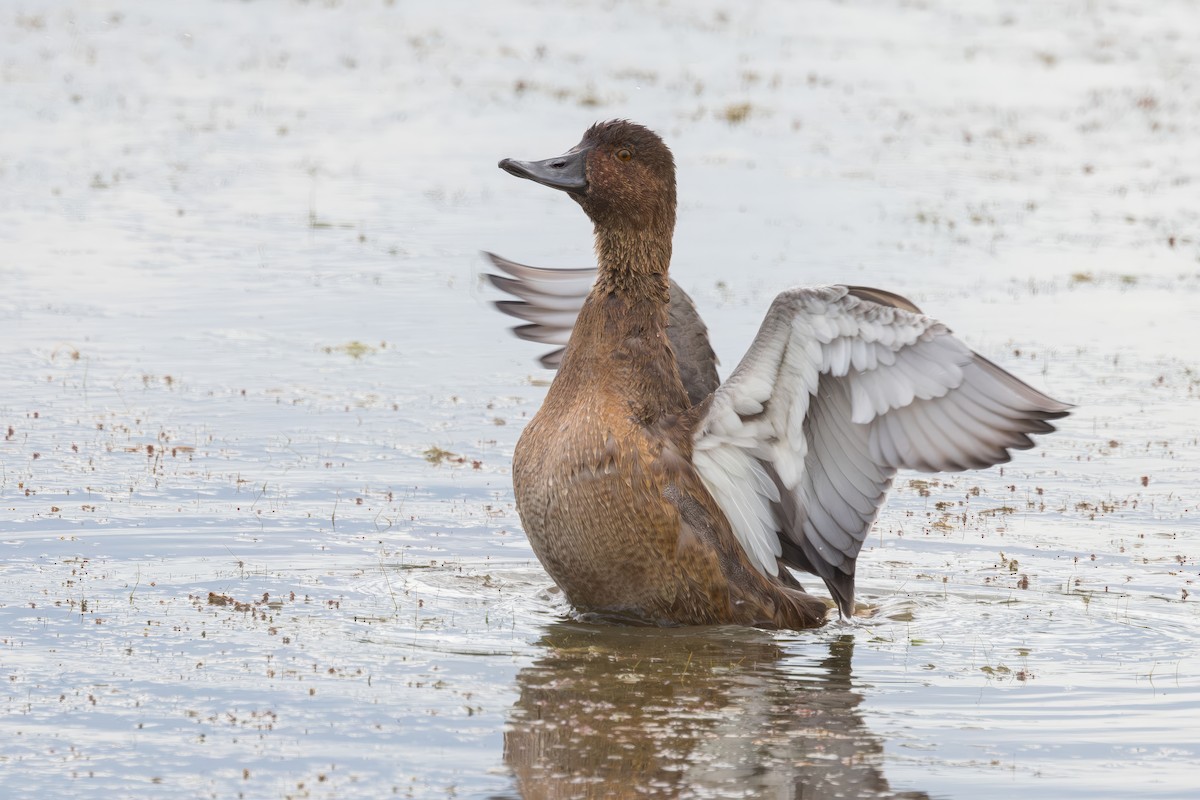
(651, 493)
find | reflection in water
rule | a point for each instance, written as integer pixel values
(620, 712)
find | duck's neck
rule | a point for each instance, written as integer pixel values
(620, 337)
(633, 266)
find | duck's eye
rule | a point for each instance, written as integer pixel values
(624, 154)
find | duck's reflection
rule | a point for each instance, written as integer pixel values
(620, 712)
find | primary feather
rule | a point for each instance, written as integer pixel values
(837, 392)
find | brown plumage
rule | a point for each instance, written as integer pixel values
(603, 474)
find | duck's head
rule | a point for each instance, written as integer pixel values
(621, 173)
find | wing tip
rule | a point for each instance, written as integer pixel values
(553, 359)
(502, 283)
(500, 262)
(513, 308)
(841, 587)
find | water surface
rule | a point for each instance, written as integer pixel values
(256, 416)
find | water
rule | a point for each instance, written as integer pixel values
(257, 417)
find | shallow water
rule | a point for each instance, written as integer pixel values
(257, 416)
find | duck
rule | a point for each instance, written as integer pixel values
(654, 493)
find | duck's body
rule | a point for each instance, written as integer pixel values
(645, 501)
(606, 488)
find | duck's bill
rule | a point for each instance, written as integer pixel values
(566, 172)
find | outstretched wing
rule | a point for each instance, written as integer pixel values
(842, 387)
(549, 300)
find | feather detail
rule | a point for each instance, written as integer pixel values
(840, 388)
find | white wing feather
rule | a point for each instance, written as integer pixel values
(799, 446)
